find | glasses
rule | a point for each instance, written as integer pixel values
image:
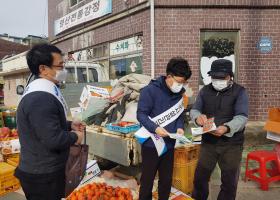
(59, 66)
(180, 82)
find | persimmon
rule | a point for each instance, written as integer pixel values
(89, 196)
(73, 198)
(100, 191)
(94, 198)
(80, 196)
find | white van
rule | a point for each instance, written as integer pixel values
(86, 72)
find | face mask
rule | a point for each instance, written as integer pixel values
(220, 84)
(61, 75)
(176, 87)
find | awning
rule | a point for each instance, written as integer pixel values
(15, 71)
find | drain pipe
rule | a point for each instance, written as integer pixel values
(152, 23)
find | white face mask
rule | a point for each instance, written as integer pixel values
(220, 84)
(61, 75)
(176, 87)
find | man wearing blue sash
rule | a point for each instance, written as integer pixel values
(160, 112)
(45, 135)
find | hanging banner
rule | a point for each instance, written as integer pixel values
(88, 12)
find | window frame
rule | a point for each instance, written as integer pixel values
(78, 2)
(236, 49)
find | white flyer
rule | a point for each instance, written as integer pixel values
(181, 138)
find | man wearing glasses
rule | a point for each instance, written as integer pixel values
(160, 112)
(44, 133)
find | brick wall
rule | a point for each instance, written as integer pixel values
(212, 3)
(178, 34)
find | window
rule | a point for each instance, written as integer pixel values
(74, 2)
(216, 45)
(126, 65)
(71, 75)
(93, 75)
(100, 51)
(126, 57)
(82, 75)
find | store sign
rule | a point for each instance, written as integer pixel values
(88, 12)
(126, 46)
(265, 45)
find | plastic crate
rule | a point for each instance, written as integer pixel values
(183, 175)
(125, 130)
(11, 156)
(8, 138)
(8, 182)
(13, 161)
(185, 154)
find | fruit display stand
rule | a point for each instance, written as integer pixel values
(9, 154)
(105, 188)
(8, 183)
(185, 161)
(9, 142)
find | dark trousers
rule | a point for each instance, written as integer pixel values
(228, 157)
(151, 163)
(52, 189)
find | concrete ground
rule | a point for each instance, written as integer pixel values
(250, 190)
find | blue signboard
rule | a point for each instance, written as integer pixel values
(265, 45)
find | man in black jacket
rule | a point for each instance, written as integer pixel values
(44, 133)
(227, 102)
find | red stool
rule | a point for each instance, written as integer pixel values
(262, 157)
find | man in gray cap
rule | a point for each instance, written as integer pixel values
(227, 102)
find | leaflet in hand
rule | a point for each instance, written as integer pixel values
(181, 138)
(207, 127)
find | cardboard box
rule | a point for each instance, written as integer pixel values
(174, 195)
(98, 91)
(10, 147)
(178, 195)
(94, 96)
(93, 91)
(91, 171)
(273, 136)
(272, 126)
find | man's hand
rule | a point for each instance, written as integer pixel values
(221, 130)
(78, 126)
(161, 132)
(180, 131)
(201, 120)
(80, 135)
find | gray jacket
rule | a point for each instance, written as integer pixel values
(43, 133)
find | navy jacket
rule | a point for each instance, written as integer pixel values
(155, 99)
(43, 133)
